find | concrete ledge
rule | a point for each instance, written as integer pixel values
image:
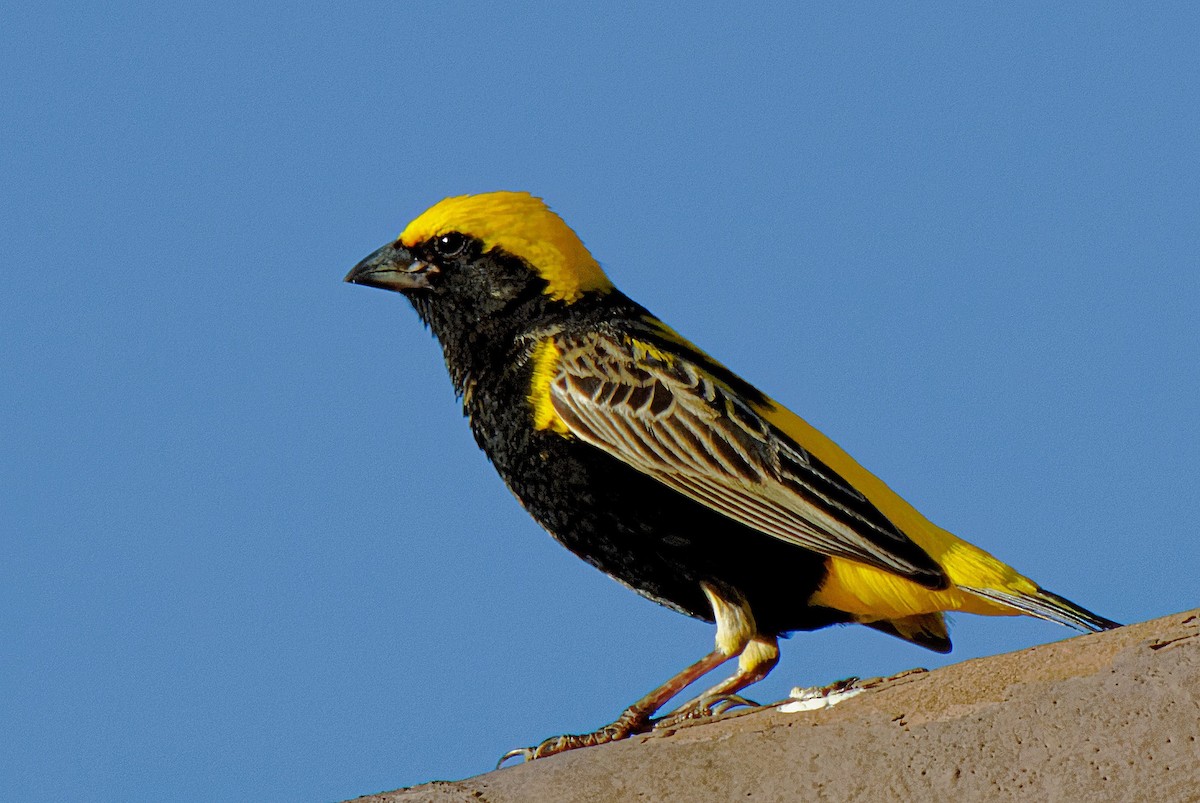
(1110, 716)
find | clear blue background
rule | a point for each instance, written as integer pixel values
(248, 549)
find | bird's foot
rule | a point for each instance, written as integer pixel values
(628, 724)
(706, 707)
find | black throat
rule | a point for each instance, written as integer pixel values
(483, 311)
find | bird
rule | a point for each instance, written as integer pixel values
(661, 467)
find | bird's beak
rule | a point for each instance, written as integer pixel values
(392, 267)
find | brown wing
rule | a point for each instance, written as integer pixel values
(665, 416)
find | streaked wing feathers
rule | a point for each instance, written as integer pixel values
(665, 416)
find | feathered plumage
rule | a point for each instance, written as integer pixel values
(660, 466)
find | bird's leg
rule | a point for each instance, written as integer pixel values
(756, 661)
(634, 719)
(737, 634)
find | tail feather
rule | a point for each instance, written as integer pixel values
(1047, 605)
(925, 629)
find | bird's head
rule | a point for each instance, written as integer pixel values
(496, 245)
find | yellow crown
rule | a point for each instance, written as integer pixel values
(523, 226)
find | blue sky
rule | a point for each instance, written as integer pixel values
(248, 549)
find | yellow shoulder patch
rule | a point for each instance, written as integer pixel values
(545, 364)
(522, 225)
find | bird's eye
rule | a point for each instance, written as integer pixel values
(449, 244)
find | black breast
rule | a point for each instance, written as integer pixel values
(643, 534)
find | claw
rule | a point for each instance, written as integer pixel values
(628, 724)
(526, 754)
(731, 701)
(706, 707)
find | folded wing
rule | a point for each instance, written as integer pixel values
(667, 417)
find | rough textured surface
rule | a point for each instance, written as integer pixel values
(1111, 716)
